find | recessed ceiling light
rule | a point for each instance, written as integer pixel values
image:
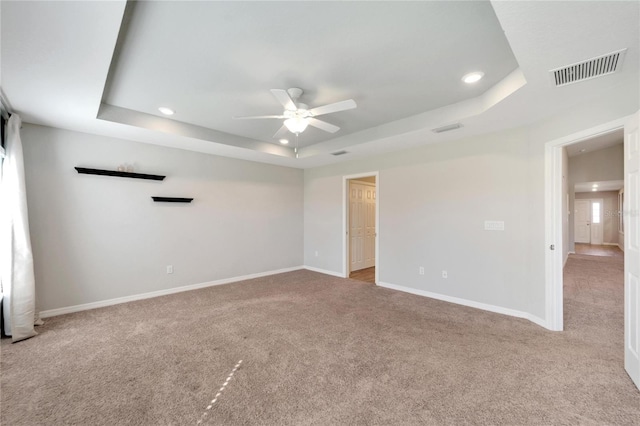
(595, 185)
(166, 111)
(284, 141)
(473, 77)
(594, 189)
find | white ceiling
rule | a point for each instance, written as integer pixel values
(599, 142)
(395, 59)
(608, 185)
(63, 66)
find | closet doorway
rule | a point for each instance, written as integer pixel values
(361, 227)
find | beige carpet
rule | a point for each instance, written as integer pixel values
(320, 350)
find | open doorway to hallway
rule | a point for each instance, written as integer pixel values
(558, 215)
(593, 186)
(593, 276)
(361, 225)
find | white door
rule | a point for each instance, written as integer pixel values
(362, 225)
(596, 221)
(632, 248)
(582, 222)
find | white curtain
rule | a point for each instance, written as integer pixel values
(18, 282)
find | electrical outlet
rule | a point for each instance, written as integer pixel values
(444, 274)
(169, 269)
(421, 270)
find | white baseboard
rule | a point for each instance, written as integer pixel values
(125, 299)
(609, 244)
(324, 271)
(470, 303)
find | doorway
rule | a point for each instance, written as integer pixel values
(558, 243)
(630, 228)
(361, 227)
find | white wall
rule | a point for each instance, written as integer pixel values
(97, 238)
(433, 203)
(601, 165)
(434, 199)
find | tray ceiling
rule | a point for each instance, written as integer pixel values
(210, 61)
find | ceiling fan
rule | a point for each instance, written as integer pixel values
(298, 115)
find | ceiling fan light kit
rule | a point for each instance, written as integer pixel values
(296, 125)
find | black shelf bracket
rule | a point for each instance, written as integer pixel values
(172, 199)
(100, 172)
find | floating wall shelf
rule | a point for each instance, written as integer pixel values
(172, 199)
(86, 171)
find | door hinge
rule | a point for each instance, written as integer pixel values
(552, 247)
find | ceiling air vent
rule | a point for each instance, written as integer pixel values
(339, 153)
(447, 128)
(591, 68)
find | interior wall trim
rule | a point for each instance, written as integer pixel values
(125, 299)
(324, 271)
(470, 303)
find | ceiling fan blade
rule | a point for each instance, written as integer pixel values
(281, 132)
(283, 97)
(335, 107)
(252, 117)
(323, 125)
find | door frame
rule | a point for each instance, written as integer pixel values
(554, 263)
(345, 222)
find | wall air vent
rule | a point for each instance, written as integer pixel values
(339, 153)
(447, 128)
(586, 70)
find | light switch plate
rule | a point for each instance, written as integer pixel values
(494, 225)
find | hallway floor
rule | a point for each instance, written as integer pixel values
(366, 275)
(599, 250)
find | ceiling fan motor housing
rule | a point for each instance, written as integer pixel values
(295, 93)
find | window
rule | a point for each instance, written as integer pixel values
(595, 212)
